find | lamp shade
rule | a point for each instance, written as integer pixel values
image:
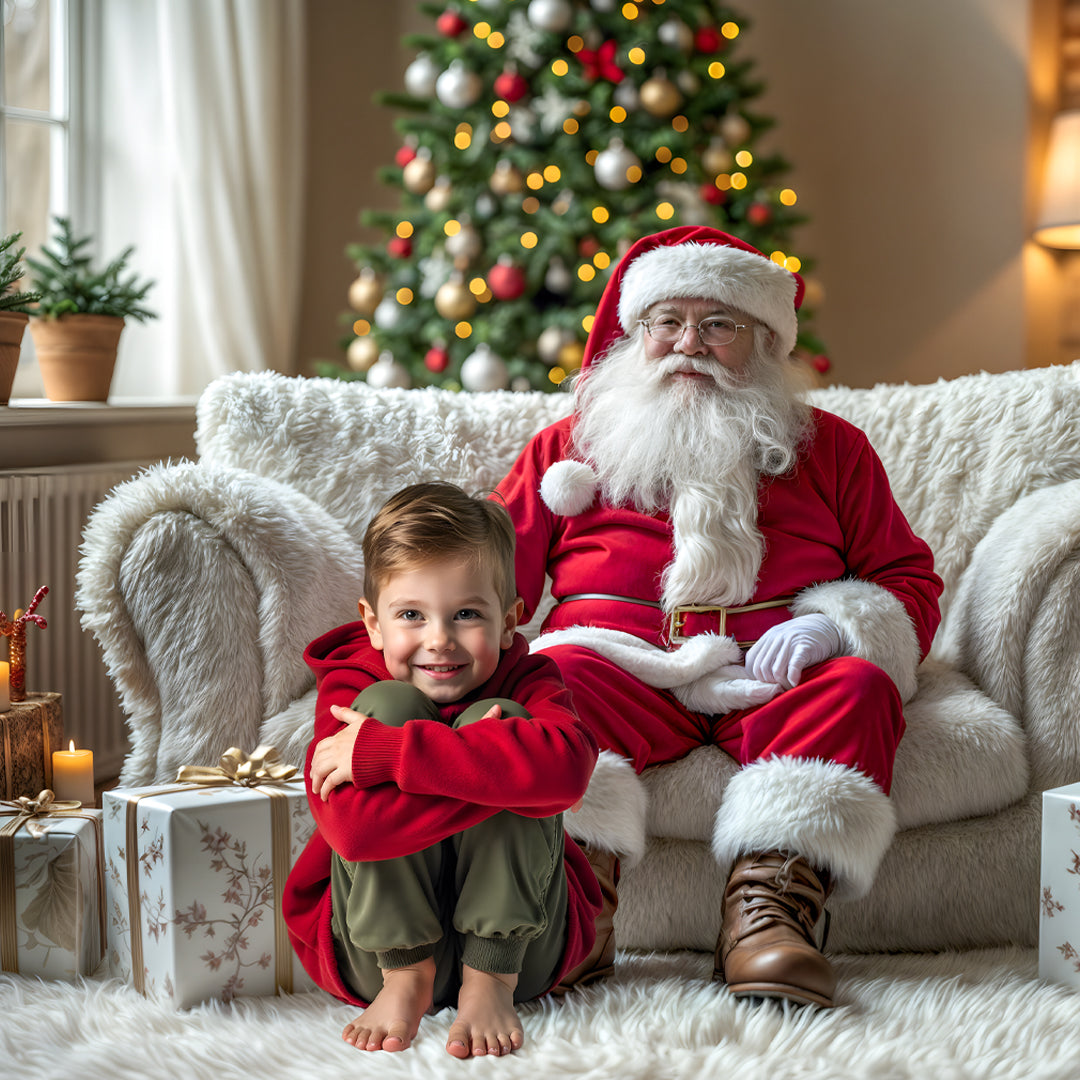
(1058, 223)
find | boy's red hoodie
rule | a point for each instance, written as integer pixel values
(415, 785)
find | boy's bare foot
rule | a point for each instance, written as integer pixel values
(392, 1020)
(487, 1022)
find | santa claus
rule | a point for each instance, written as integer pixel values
(730, 567)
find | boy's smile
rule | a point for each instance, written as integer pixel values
(441, 627)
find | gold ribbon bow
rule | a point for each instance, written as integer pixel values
(28, 811)
(261, 766)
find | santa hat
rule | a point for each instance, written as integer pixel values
(691, 262)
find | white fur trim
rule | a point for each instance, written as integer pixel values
(834, 816)
(702, 674)
(873, 624)
(747, 282)
(569, 487)
(612, 815)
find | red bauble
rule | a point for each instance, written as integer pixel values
(758, 214)
(436, 359)
(404, 155)
(450, 24)
(707, 39)
(588, 247)
(711, 194)
(506, 281)
(820, 363)
(400, 247)
(511, 86)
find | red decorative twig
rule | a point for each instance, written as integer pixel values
(14, 630)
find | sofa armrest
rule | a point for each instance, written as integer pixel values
(202, 587)
(1014, 625)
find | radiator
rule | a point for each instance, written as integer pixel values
(42, 515)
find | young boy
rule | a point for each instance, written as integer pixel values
(443, 757)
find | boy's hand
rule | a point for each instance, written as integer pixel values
(331, 764)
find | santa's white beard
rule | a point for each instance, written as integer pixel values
(696, 447)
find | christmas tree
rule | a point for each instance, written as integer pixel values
(540, 138)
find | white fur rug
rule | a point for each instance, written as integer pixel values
(980, 1015)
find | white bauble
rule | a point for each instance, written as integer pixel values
(386, 372)
(520, 384)
(465, 243)
(484, 370)
(550, 342)
(458, 87)
(551, 15)
(604, 5)
(420, 76)
(735, 128)
(626, 94)
(438, 198)
(677, 34)
(387, 314)
(612, 164)
(558, 278)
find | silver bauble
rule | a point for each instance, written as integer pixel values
(551, 15)
(612, 164)
(386, 372)
(420, 76)
(387, 314)
(458, 87)
(484, 370)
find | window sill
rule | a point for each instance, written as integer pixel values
(35, 433)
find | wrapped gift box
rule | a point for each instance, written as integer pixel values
(51, 897)
(1059, 925)
(193, 877)
(30, 731)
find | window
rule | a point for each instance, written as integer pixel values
(42, 113)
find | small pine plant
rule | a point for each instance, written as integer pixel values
(11, 272)
(68, 284)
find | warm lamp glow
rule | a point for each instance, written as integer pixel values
(1058, 223)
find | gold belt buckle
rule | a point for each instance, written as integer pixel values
(677, 619)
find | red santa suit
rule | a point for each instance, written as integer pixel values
(418, 784)
(836, 543)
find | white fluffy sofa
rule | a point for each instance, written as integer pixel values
(202, 582)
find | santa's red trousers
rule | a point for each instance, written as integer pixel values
(845, 710)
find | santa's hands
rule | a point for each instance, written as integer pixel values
(782, 653)
(331, 763)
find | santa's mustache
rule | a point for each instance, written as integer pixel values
(674, 363)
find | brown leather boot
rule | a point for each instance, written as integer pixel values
(766, 948)
(601, 960)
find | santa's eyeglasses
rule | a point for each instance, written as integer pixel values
(716, 330)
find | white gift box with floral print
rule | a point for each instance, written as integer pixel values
(194, 877)
(1059, 924)
(51, 900)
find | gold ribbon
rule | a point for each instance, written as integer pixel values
(258, 771)
(259, 767)
(28, 812)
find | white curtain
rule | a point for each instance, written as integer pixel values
(202, 134)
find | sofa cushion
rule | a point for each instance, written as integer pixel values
(961, 756)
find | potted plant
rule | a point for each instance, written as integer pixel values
(14, 311)
(80, 315)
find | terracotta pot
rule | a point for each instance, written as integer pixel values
(77, 354)
(12, 325)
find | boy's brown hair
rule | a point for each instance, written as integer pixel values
(427, 522)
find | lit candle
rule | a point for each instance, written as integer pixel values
(73, 774)
(5, 700)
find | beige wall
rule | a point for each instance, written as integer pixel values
(907, 125)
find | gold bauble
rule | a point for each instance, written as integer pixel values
(362, 353)
(571, 355)
(454, 301)
(438, 198)
(507, 179)
(419, 175)
(365, 293)
(814, 296)
(735, 128)
(717, 158)
(660, 96)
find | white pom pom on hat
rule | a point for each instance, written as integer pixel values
(569, 487)
(691, 262)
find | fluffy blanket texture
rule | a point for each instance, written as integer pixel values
(954, 1016)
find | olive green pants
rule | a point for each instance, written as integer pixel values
(493, 896)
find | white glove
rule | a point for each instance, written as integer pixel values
(783, 651)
